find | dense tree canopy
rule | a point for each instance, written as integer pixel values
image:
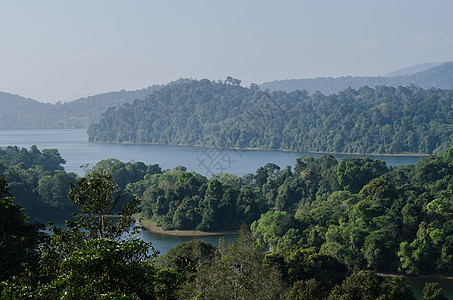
(36, 178)
(221, 114)
(392, 219)
(95, 257)
(19, 240)
(359, 211)
(324, 222)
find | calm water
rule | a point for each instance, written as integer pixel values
(417, 285)
(74, 148)
(161, 242)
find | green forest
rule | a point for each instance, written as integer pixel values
(224, 114)
(19, 112)
(322, 229)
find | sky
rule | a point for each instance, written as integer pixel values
(61, 50)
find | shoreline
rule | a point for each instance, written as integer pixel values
(260, 149)
(434, 276)
(152, 227)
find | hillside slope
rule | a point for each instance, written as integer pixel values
(208, 113)
(20, 112)
(440, 76)
(412, 69)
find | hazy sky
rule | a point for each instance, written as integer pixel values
(62, 50)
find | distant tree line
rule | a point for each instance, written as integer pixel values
(220, 114)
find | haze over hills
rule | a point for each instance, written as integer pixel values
(412, 69)
(20, 112)
(439, 76)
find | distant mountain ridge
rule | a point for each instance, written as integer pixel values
(412, 69)
(439, 76)
(19, 112)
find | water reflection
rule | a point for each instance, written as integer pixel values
(417, 284)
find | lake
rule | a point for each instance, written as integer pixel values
(161, 242)
(74, 147)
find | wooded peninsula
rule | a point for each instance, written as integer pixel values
(224, 114)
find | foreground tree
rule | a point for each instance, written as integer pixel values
(305, 290)
(236, 273)
(187, 257)
(19, 240)
(366, 285)
(432, 291)
(96, 257)
(98, 197)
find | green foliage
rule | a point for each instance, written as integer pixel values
(317, 219)
(94, 258)
(19, 240)
(222, 114)
(48, 159)
(432, 291)
(354, 173)
(125, 173)
(308, 290)
(366, 285)
(107, 267)
(371, 217)
(270, 227)
(177, 199)
(303, 264)
(237, 272)
(187, 257)
(36, 178)
(54, 189)
(320, 221)
(97, 196)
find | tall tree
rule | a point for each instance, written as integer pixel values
(19, 240)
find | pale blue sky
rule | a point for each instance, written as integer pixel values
(63, 50)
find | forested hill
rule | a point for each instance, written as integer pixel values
(224, 114)
(440, 76)
(20, 112)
